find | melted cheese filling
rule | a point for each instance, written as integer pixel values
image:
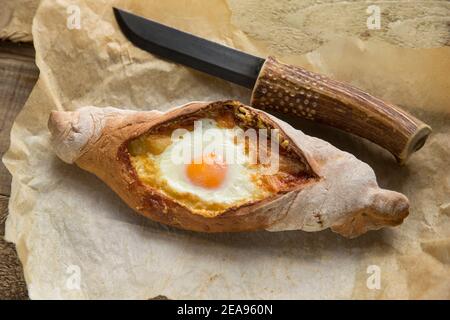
(208, 189)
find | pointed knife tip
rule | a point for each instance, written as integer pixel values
(120, 16)
(116, 12)
(119, 12)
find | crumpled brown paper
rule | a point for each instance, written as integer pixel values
(77, 239)
(16, 17)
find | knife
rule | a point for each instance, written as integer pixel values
(279, 87)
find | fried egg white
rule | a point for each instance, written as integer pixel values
(209, 164)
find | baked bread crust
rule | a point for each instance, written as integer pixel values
(341, 193)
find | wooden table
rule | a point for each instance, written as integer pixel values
(18, 74)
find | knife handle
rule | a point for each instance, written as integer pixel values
(296, 91)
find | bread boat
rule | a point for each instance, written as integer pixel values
(314, 187)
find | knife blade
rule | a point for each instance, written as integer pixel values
(279, 87)
(186, 49)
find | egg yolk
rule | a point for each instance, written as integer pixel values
(209, 173)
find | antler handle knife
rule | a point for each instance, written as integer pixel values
(281, 87)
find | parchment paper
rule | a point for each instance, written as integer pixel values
(77, 239)
(16, 17)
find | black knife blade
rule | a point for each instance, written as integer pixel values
(194, 52)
